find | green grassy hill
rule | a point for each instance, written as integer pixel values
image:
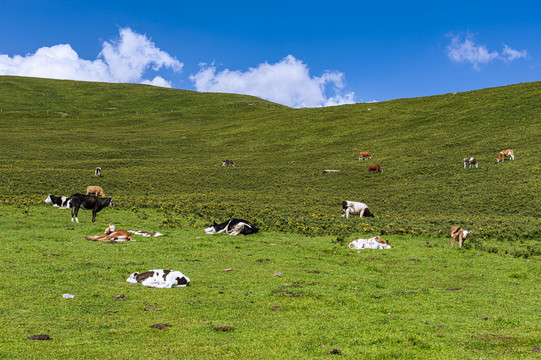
(164, 148)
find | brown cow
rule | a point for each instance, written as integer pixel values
(363, 155)
(374, 168)
(97, 190)
(457, 231)
(505, 153)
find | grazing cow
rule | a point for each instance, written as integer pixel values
(57, 201)
(97, 172)
(363, 155)
(471, 162)
(354, 208)
(160, 279)
(111, 234)
(228, 162)
(457, 231)
(372, 243)
(95, 190)
(374, 168)
(232, 227)
(87, 202)
(330, 171)
(505, 153)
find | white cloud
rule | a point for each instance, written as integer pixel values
(287, 82)
(123, 60)
(468, 51)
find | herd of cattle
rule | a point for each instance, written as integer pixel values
(95, 200)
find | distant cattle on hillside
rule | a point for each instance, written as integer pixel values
(374, 168)
(505, 154)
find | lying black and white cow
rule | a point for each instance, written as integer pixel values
(471, 162)
(354, 208)
(232, 227)
(57, 201)
(160, 279)
(88, 202)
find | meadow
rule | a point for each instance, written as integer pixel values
(161, 152)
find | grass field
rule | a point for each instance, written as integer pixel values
(161, 152)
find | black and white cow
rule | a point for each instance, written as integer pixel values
(88, 202)
(57, 201)
(228, 162)
(232, 227)
(354, 208)
(471, 162)
(97, 172)
(159, 278)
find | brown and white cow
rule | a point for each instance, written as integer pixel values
(374, 168)
(111, 234)
(505, 153)
(363, 155)
(471, 162)
(461, 234)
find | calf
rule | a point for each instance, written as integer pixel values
(363, 155)
(228, 162)
(461, 234)
(88, 202)
(97, 172)
(372, 243)
(57, 201)
(95, 190)
(160, 279)
(505, 153)
(374, 168)
(111, 234)
(471, 162)
(354, 208)
(232, 227)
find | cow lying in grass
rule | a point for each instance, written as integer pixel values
(88, 202)
(111, 234)
(95, 190)
(354, 208)
(160, 279)
(461, 234)
(232, 227)
(372, 243)
(57, 201)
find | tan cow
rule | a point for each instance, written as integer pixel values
(96, 190)
(363, 155)
(111, 234)
(457, 231)
(505, 153)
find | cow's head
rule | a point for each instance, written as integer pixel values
(48, 200)
(133, 278)
(111, 204)
(465, 234)
(212, 228)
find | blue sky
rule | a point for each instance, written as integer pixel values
(298, 53)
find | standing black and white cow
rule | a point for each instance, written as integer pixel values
(57, 201)
(471, 162)
(97, 172)
(88, 202)
(232, 227)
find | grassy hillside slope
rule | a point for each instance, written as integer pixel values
(164, 148)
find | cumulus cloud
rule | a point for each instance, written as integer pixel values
(466, 50)
(287, 82)
(123, 60)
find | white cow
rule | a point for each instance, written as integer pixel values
(160, 279)
(372, 243)
(354, 208)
